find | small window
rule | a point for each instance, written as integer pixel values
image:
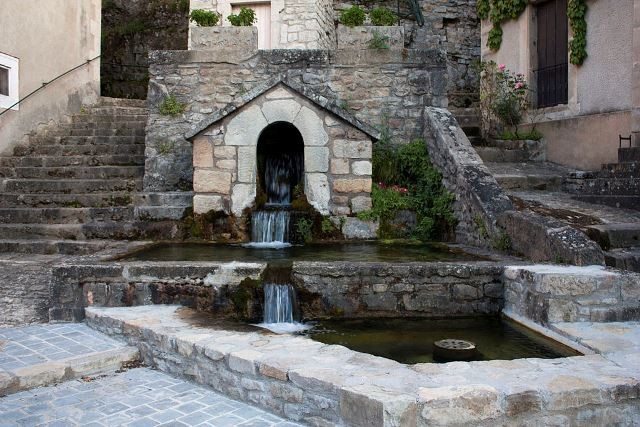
(4, 81)
(9, 82)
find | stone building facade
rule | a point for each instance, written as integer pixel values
(337, 155)
(383, 90)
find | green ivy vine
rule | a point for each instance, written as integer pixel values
(499, 11)
(577, 12)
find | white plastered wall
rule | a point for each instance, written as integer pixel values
(600, 90)
(49, 38)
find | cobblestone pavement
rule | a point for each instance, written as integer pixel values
(31, 345)
(138, 397)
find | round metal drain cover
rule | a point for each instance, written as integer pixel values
(453, 349)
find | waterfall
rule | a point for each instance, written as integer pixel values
(282, 172)
(270, 226)
(278, 303)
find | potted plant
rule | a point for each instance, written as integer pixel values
(382, 33)
(210, 35)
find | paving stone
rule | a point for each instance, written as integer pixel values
(110, 401)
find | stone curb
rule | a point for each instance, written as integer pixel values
(45, 374)
(319, 384)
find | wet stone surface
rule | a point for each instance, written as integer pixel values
(138, 397)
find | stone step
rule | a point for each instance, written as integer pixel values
(80, 150)
(71, 200)
(65, 215)
(624, 259)
(53, 372)
(625, 202)
(105, 125)
(156, 213)
(74, 172)
(174, 198)
(51, 247)
(117, 111)
(620, 170)
(499, 155)
(111, 131)
(122, 102)
(67, 161)
(612, 236)
(108, 118)
(85, 140)
(629, 154)
(69, 185)
(107, 230)
(604, 186)
(530, 182)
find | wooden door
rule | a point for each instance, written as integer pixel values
(263, 16)
(552, 74)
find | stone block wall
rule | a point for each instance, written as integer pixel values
(452, 25)
(307, 24)
(344, 289)
(549, 294)
(337, 156)
(388, 88)
(242, 38)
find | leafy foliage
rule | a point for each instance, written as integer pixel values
(417, 186)
(378, 41)
(353, 17)
(172, 107)
(381, 16)
(577, 12)
(304, 227)
(504, 96)
(205, 18)
(499, 11)
(245, 18)
(531, 135)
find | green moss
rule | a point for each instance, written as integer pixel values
(171, 106)
(244, 296)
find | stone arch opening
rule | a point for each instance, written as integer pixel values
(280, 158)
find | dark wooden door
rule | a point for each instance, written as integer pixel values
(552, 74)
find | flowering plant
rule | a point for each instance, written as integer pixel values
(504, 95)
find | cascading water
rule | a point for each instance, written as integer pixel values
(278, 303)
(282, 171)
(270, 226)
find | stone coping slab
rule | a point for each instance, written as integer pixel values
(42, 355)
(321, 384)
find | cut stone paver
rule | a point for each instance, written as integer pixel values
(42, 355)
(31, 345)
(138, 397)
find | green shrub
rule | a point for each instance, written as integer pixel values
(172, 107)
(304, 227)
(531, 135)
(381, 16)
(245, 18)
(417, 185)
(378, 41)
(353, 17)
(204, 18)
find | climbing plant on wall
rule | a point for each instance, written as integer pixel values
(499, 11)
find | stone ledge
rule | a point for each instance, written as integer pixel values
(327, 384)
(45, 374)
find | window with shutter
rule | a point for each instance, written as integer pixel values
(552, 75)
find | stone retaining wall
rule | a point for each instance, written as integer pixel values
(339, 289)
(24, 290)
(320, 384)
(344, 289)
(548, 294)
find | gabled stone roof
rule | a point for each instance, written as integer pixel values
(248, 97)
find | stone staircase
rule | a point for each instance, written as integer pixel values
(603, 204)
(76, 188)
(616, 184)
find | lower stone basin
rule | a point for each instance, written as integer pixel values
(411, 340)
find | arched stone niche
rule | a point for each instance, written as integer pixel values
(337, 156)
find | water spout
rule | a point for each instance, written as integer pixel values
(270, 226)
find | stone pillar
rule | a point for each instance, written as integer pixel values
(635, 115)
